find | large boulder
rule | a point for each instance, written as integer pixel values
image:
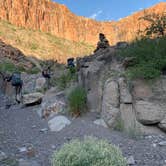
(110, 103)
(29, 82)
(148, 113)
(110, 115)
(58, 123)
(111, 94)
(32, 98)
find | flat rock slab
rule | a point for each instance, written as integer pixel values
(32, 98)
(58, 123)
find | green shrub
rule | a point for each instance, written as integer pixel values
(157, 24)
(77, 100)
(33, 70)
(33, 46)
(119, 125)
(149, 55)
(9, 162)
(89, 152)
(7, 66)
(66, 78)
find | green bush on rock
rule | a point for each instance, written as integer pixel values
(89, 152)
(149, 55)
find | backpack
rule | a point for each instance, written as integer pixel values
(70, 62)
(46, 73)
(16, 79)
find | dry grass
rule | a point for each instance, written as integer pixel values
(42, 45)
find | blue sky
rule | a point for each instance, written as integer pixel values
(107, 9)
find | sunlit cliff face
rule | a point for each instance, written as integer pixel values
(52, 17)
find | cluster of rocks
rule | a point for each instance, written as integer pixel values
(135, 104)
(49, 102)
(102, 43)
(6, 160)
(7, 52)
(150, 102)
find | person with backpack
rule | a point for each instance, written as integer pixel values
(47, 75)
(71, 65)
(17, 83)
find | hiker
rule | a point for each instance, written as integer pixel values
(17, 83)
(47, 75)
(71, 65)
(2, 83)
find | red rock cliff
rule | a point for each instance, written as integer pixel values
(52, 17)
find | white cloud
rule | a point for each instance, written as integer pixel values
(93, 16)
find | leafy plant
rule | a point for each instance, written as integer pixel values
(89, 152)
(77, 100)
(149, 55)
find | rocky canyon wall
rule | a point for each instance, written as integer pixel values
(56, 19)
(132, 104)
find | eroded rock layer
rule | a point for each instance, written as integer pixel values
(56, 19)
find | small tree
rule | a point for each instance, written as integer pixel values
(157, 24)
